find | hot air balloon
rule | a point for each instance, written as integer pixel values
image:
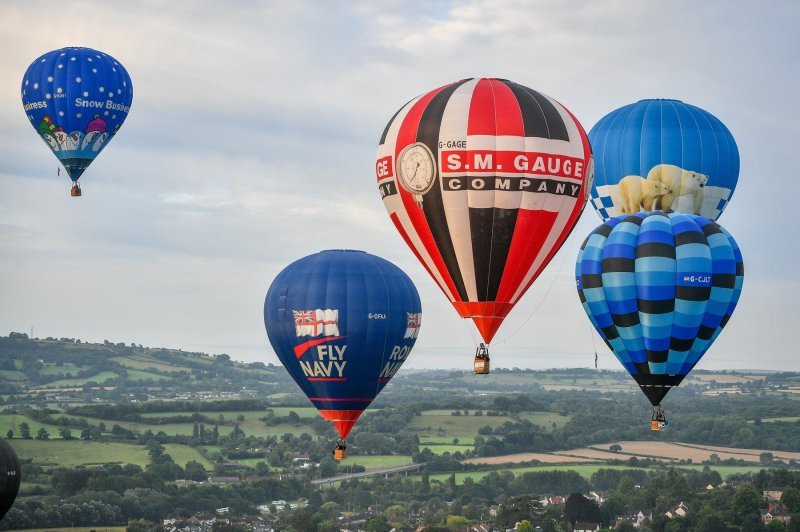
(484, 179)
(9, 477)
(342, 323)
(659, 287)
(76, 99)
(662, 155)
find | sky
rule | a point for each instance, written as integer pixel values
(251, 143)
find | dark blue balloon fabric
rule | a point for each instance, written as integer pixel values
(662, 155)
(76, 99)
(659, 288)
(342, 323)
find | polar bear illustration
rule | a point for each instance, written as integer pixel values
(636, 191)
(681, 182)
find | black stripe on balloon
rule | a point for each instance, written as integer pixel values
(633, 219)
(723, 280)
(641, 369)
(693, 293)
(603, 230)
(386, 129)
(655, 249)
(591, 280)
(711, 229)
(724, 321)
(656, 306)
(432, 205)
(626, 320)
(585, 240)
(539, 116)
(581, 296)
(610, 333)
(705, 333)
(680, 344)
(491, 231)
(658, 356)
(739, 269)
(690, 237)
(618, 264)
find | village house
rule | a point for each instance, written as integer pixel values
(772, 495)
(493, 509)
(775, 512)
(598, 496)
(585, 527)
(677, 511)
(636, 519)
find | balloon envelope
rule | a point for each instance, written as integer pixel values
(659, 288)
(484, 179)
(76, 99)
(342, 323)
(662, 155)
(9, 477)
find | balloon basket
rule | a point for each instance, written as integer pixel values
(339, 454)
(481, 366)
(481, 363)
(75, 191)
(659, 420)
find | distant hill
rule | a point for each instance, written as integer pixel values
(67, 367)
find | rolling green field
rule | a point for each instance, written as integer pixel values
(183, 453)
(78, 382)
(790, 419)
(12, 422)
(443, 424)
(145, 362)
(586, 471)
(376, 461)
(445, 448)
(73, 453)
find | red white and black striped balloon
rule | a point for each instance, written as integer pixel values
(484, 179)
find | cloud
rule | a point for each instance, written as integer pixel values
(252, 137)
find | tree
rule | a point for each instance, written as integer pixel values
(426, 483)
(525, 526)
(458, 522)
(579, 508)
(615, 448)
(516, 509)
(25, 431)
(377, 523)
(745, 502)
(791, 499)
(65, 433)
(42, 434)
(10, 434)
(766, 458)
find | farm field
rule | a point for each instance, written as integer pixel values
(586, 471)
(72, 453)
(12, 422)
(697, 453)
(183, 453)
(447, 448)
(790, 419)
(99, 378)
(518, 458)
(442, 424)
(376, 461)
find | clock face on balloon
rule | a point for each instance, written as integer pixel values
(416, 168)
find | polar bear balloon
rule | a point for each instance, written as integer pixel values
(662, 155)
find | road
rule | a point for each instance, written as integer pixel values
(385, 471)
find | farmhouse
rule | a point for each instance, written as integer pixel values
(775, 512)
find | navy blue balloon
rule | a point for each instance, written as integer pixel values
(342, 323)
(662, 155)
(76, 99)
